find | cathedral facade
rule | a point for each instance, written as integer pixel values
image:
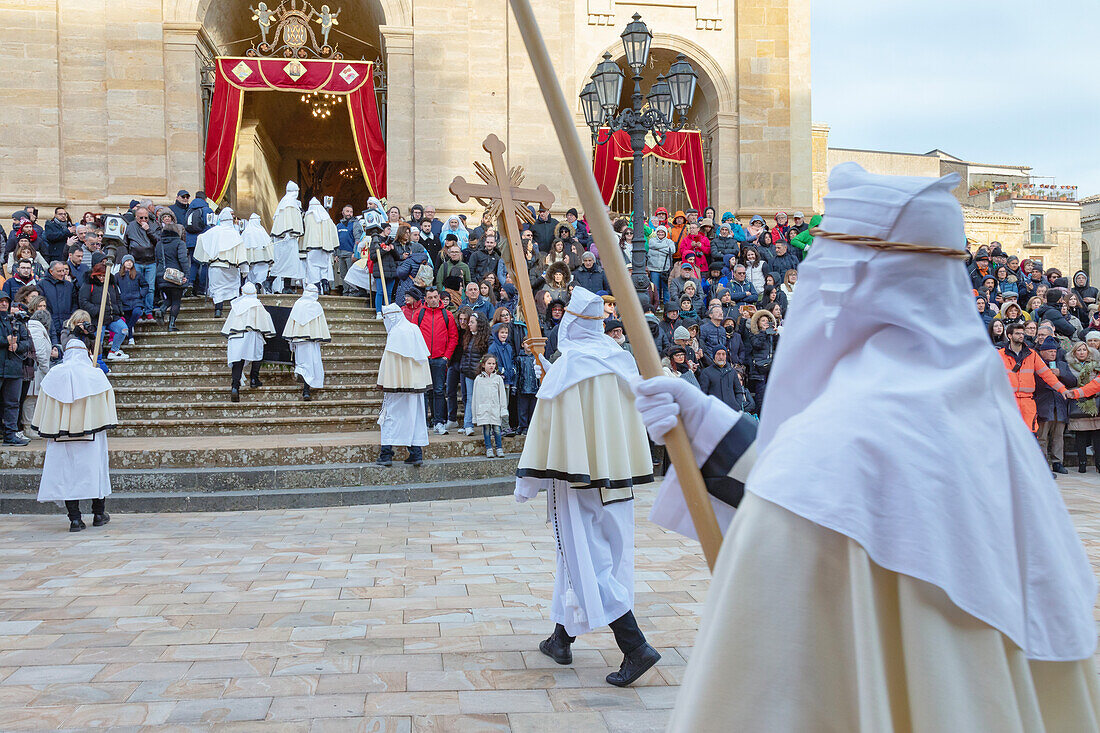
(108, 101)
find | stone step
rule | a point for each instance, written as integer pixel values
(212, 348)
(181, 339)
(135, 381)
(244, 423)
(213, 411)
(207, 480)
(340, 322)
(256, 450)
(216, 390)
(328, 302)
(215, 364)
(148, 502)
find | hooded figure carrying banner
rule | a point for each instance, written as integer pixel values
(319, 245)
(359, 274)
(306, 329)
(286, 228)
(223, 248)
(587, 448)
(259, 251)
(75, 408)
(247, 327)
(403, 377)
(902, 559)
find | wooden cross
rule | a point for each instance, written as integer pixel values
(505, 200)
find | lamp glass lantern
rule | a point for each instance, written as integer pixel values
(636, 41)
(608, 80)
(660, 98)
(590, 104)
(682, 80)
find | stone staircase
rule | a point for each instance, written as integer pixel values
(178, 383)
(183, 446)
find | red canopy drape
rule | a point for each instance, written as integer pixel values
(234, 76)
(684, 148)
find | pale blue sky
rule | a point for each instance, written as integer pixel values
(994, 82)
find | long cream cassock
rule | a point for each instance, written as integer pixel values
(286, 228)
(306, 329)
(223, 248)
(318, 244)
(587, 448)
(403, 377)
(75, 408)
(902, 559)
(259, 250)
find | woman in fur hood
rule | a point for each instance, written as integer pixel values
(1084, 415)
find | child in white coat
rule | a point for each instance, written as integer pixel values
(490, 400)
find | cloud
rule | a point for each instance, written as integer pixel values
(996, 82)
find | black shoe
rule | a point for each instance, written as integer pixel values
(101, 519)
(384, 463)
(172, 324)
(305, 394)
(218, 310)
(410, 461)
(557, 649)
(254, 383)
(75, 525)
(1059, 468)
(235, 395)
(634, 665)
(1082, 467)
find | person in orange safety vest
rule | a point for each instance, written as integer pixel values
(1022, 364)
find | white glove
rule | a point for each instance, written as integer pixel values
(661, 399)
(541, 367)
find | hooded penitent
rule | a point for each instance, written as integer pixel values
(404, 366)
(75, 408)
(320, 231)
(902, 557)
(246, 314)
(288, 214)
(587, 447)
(222, 245)
(307, 320)
(257, 242)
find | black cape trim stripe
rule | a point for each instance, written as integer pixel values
(304, 340)
(729, 450)
(583, 480)
(242, 331)
(62, 435)
(405, 390)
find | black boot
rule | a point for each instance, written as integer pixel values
(75, 525)
(101, 519)
(1082, 463)
(235, 394)
(218, 310)
(305, 393)
(557, 647)
(1059, 468)
(635, 664)
(172, 324)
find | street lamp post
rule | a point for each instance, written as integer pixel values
(670, 96)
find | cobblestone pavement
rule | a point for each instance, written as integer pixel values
(408, 617)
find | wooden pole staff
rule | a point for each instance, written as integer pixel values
(102, 309)
(645, 352)
(382, 275)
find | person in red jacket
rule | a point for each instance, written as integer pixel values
(697, 242)
(1022, 365)
(441, 336)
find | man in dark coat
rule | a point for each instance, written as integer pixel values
(195, 223)
(1052, 312)
(1051, 408)
(60, 294)
(722, 381)
(783, 260)
(589, 275)
(15, 344)
(712, 335)
(181, 204)
(58, 231)
(661, 338)
(543, 230)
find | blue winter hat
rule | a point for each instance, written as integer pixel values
(727, 216)
(1050, 343)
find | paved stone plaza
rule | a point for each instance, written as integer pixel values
(406, 617)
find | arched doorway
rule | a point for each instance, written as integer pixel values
(288, 136)
(662, 181)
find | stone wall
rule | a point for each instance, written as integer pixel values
(1090, 232)
(109, 105)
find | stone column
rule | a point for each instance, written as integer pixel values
(187, 48)
(401, 115)
(724, 156)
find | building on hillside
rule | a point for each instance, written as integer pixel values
(114, 100)
(1001, 203)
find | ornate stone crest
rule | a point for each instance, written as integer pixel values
(287, 31)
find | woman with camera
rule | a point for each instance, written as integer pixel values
(761, 349)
